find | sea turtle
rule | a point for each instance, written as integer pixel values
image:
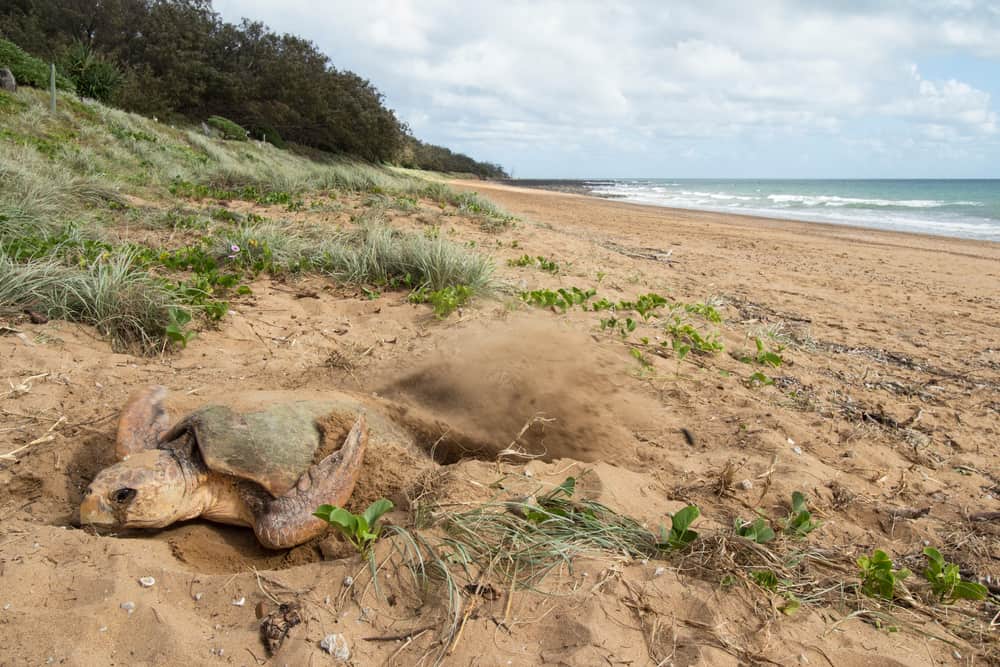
(250, 469)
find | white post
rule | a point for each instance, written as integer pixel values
(52, 87)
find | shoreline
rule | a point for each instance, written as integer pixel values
(577, 188)
(747, 220)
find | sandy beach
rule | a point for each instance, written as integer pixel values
(884, 411)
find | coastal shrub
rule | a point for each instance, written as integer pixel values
(227, 128)
(268, 134)
(28, 70)
(94, 75)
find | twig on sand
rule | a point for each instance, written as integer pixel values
(48, 437)
(24, 386)
(767, 476)
(412, 634)
(515, 450)
(409, 641)
(906, 512)
(260, 585)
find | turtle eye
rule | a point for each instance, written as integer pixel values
(122, 496)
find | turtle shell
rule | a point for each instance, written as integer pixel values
(272, 447)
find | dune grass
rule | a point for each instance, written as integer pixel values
(373, 253)
(65, 186)
(114, 295)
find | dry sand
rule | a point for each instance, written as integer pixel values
(888, 399)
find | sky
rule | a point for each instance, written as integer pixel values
(707, 89)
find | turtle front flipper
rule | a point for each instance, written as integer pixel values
(142, 422)
(288, 520)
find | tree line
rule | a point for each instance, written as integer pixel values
(178, 58)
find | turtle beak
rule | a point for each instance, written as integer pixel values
(94, 512)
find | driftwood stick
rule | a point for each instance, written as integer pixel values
(906, 512)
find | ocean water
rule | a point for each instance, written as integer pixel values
(961, 208)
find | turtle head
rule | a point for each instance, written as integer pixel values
(149, 489)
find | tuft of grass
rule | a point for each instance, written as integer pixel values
(493, 219)
(378, 254)
(122, 301)
(523, 541)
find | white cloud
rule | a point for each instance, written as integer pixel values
(507, 78)
(946, 108)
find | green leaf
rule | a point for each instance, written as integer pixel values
(376, 510)
(969, 590)
(568, 487)
(791, 606)
(323, 511)
(759, 531)
(765, 579)
(679, 535)
(685, 517)
(798, 502)
(342, 519)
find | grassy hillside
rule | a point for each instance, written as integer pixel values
(75, 186)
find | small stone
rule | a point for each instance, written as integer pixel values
(128, 606)
(103, 628)
(326, 600)
(197, 597)
(803, 660)
(7, 80)
(958, 656)
(527, 473)
(791, 442)
(797, 450)
(147, 582)
(348, 582)
(336, 645)
(659, 572)
(746, 485)
(6, 606)
(239, 602)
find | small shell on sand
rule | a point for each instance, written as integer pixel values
(336, 645)
(147, 582)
